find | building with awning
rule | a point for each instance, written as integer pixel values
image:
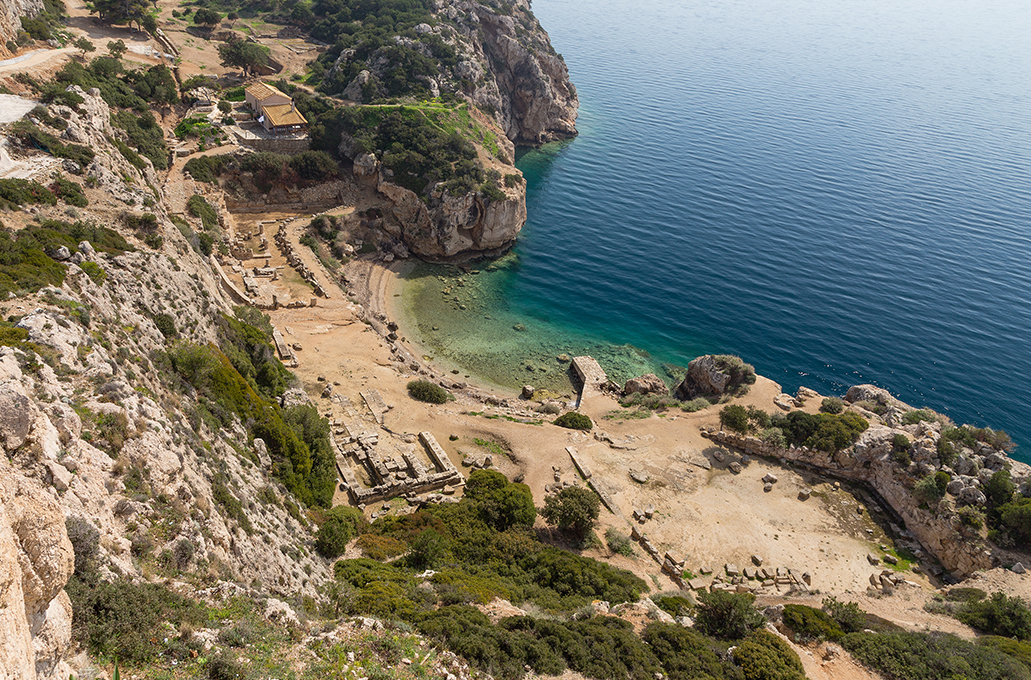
(275, 110)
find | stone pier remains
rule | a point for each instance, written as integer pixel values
(591, 375)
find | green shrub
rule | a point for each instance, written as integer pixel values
(15, 193)
(832, 405)
(696, 405)
(24, 263)
(166, 324)
(1000, 614)
(965, 594)
(728, 616)
(811, 624)
(145, 135)
(381, 548)
(338, 528)
(94, 271)
(1015, 522)
(361, 572)
(971, 517)
(501, 504)
(849, 617)
(429, 392)
(735, 418)
(119, 619)
(70, 192)
(741, 374)
(198, 207)
(823, 431)
(774, 436)
(619, 544)
(919, 415)
(85, 539)
(316, 166)
(1021, 651)
(207, 168)
(674, 605)
(928, 491)
(574, 420)
(685, 654)
(921, 656)
(999, 489)
(33, 136)
(764, 656)
(574, 509)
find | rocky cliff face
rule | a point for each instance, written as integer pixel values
(537, 102)
(505, 65)
(448, 227)
(35, 562)
(11, 12)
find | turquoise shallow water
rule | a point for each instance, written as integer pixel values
(839, 192)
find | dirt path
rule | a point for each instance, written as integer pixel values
(34, 59)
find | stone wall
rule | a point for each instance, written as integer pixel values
(285, 145)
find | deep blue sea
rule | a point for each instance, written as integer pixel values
(838, 191)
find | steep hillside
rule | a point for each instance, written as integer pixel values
(11, 12)
(494, 52)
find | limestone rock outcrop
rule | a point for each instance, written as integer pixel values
(645, 384)
(505, 65)
(36, 560)
(872, 461)
(704, 377)
(538, 103)
(449, 227)
(11, 12)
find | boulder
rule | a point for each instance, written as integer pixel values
(769, 478)
(871, 393)
(972, 496)
(645, 384)
(527, 392)
(703, 378)
(16, 416)
(735, 467)
(1018, 568)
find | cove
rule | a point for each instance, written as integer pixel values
(836, 192)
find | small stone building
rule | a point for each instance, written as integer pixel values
(274, 109)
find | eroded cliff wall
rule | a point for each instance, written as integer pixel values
(11, 12)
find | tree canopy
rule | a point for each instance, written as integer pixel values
(243, 55)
